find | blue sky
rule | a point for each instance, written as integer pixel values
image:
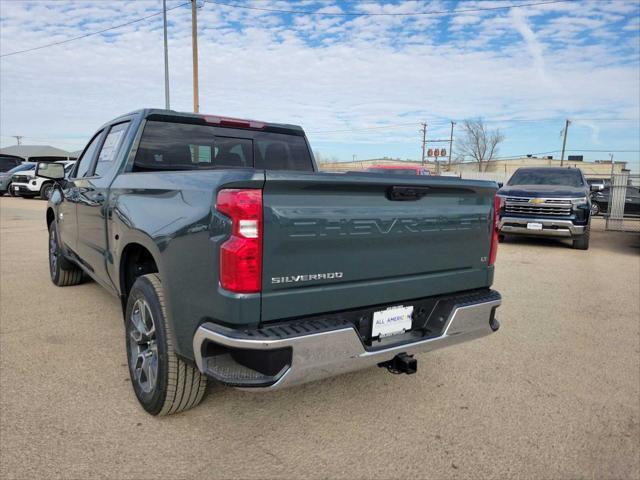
(524, 70)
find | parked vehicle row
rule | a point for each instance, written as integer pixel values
(22, 181)
(399, 170)
(28, 184)
(236, 261)
(600, 201)
(6, 178)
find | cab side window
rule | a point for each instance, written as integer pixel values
(110, 148)
(84, 163)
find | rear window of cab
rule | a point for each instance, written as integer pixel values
(166, 146)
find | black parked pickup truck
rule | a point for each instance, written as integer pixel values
(546, 201)
(235, 260)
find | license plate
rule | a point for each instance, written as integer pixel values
(16, 188)
(392, 321)
(534, 226)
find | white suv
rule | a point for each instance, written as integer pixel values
(27, 184)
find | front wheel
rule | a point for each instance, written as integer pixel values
(582, 242)
(63, 272)
(163, 382)
(45, 191)
(11, 191)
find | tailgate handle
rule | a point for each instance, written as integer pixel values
(406, 193)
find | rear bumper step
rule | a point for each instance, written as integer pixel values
(285, 355)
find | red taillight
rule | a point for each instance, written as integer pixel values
(241, 255)
(497, 204)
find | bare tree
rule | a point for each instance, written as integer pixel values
(478, 143)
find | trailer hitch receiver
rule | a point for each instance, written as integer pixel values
(401, 363)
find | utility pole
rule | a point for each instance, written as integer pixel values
(564, 141)
(450, 145)
(166, 56)
(18, 138)
(424, 140)
(194, 45)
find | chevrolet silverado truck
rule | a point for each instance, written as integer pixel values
(236, 260)
(546, 201)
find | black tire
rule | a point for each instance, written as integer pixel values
(45, 191)
(63, 272)
(10, 190)
(582, 242)
(501, 238)
(595, 208)
(175, 386)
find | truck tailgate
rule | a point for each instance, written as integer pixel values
(340, 241)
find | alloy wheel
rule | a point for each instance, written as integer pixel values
(143, 349)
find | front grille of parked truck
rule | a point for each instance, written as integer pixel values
(534, 206)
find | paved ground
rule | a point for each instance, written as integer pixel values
(555, 394)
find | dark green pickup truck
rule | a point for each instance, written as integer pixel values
(236, 260)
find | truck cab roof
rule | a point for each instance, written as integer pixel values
(204, 119)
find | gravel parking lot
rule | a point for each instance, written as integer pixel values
(554, 394)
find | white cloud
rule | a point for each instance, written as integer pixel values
(326, 73)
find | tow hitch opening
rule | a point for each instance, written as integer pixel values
(401, 363)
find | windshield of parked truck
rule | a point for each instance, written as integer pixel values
(184, 146)
(7, 164)
(567, 177)
(22, 168)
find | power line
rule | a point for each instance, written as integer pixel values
(90, 34)
(381, 14)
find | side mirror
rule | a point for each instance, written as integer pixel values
(52, 171)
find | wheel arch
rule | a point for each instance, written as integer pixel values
(51, 216)
(135, 260)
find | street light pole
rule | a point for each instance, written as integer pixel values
(166, 56)
(194, 45)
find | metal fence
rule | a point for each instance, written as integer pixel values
(622, 209)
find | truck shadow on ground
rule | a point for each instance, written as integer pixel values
(330, 396)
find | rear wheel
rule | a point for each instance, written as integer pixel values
(63, 272)
(595, 209)
(163, 383)
(582, 242)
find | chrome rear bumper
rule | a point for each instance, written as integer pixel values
(550, 227)
(331, 353)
